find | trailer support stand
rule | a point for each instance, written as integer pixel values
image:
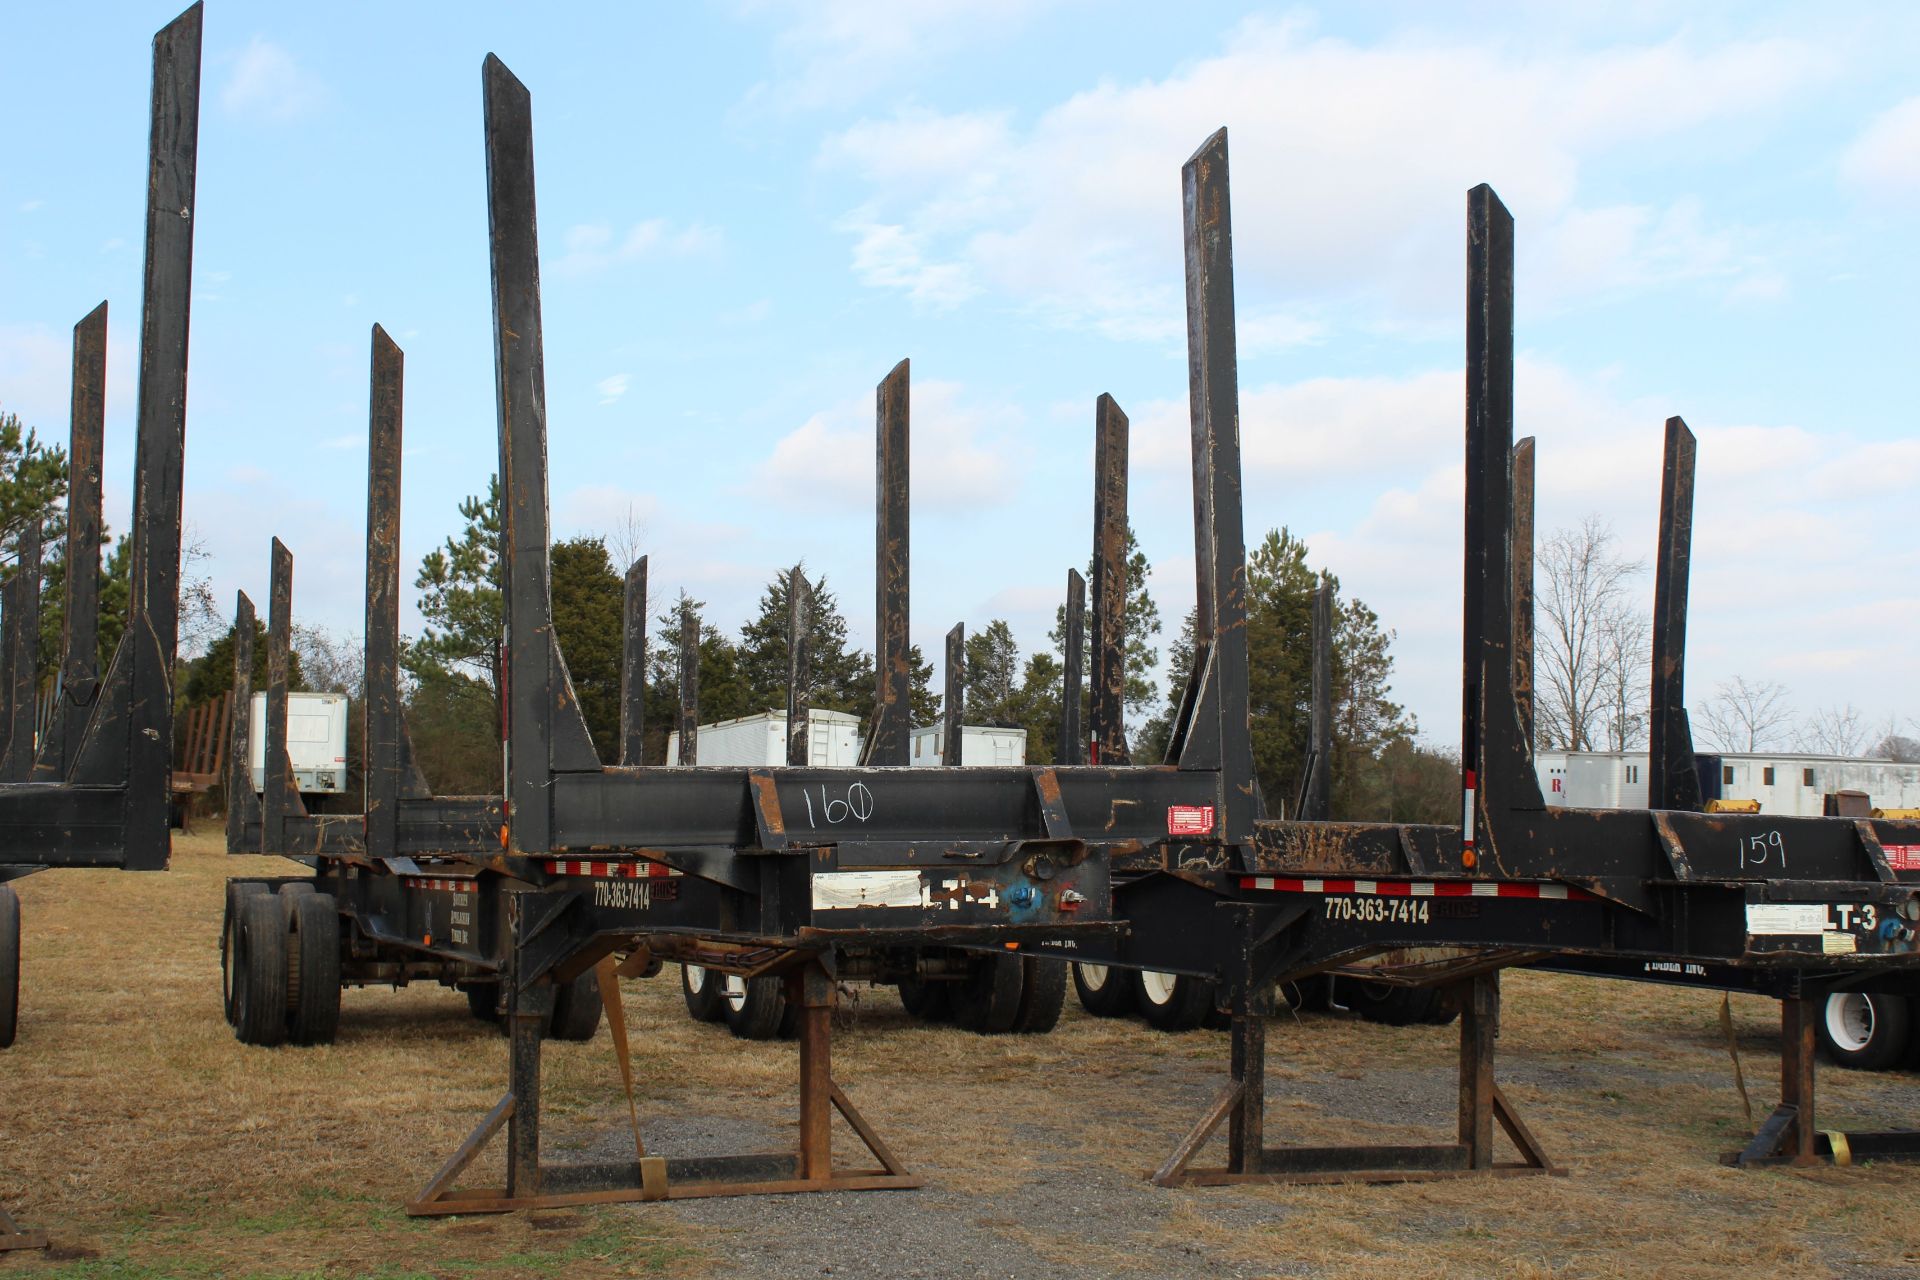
(533, 1185)
(13, 1237)
(1790, 1135)
(1242, 1104)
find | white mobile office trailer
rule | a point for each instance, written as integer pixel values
(833, 739)
(1782, 782)
(316, 741)
(979, 744)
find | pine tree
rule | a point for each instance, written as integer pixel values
(993, 673)
(1140, 624)
(836, 678)
(589, 620)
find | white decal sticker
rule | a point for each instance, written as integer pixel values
(1786, 917)
(1839, 943)
(835, 890)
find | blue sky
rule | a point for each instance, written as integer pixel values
(750, 211)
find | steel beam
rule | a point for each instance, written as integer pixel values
(799, 621)
(1672, 782)
(382, 692)
(1106, 718)
(545, 731)
(1219, 738)
(1498, 768)
(243, 804)
(1523, 586)
(281, 800)
(23, 652)
(1072, 748)
(633, 666)
(891, 738)
(689, 684)
(80, 641)
(954, 704)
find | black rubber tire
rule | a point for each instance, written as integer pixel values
(1043, 995)
(1878, 1044)
(1395, 1006)
(229, 930)
(577, 1009)
(313, 980)
(759, 1008)
(9, 965)
(1104, 992)
(260, 968)
(1185, 1004)
(987, 1000)
(705, 994)
(929, 1001)
(483, 1001)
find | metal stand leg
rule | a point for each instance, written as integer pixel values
(1242, 1105)
(12, 1237)
(527, 1018)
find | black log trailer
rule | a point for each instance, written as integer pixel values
(88, 785)
(809, 875)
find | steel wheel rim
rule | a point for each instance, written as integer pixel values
(1093, 975)
(1158, 986)
(1850, 1021)
(696, 976)
(736, 992)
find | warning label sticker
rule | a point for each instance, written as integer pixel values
(1189, 819)
(1903, 857)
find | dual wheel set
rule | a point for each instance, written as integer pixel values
(1176, 1002)
(991, 994)
(280, 971)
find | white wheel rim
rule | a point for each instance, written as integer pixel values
(1093, 975)
(1157, 985)
(1850, 1021)
(696, 978)
(736, 992)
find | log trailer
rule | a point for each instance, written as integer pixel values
(962, 876)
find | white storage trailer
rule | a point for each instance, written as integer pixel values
(833, 739)
(980, 744)
(316, 741)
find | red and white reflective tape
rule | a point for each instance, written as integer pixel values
(635, 869)
(440, 884)
(1421, 888)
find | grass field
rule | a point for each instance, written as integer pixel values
(149, 1143)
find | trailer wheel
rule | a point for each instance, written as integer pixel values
(987, 1000)
(1864, 1031)
(313, 978)
(929, 1001)
(1043, 994)
(229, 935)
(1104, 992)
(1396, 1006)
(483, 1001)
(1172, 1001)
(576, 1009)
(704, 992)
(754, 1008)
(260, 971)
(9, 965)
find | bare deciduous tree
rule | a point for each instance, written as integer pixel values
(1743, 715)
(330, 663)
(627, 540)
(1833, 731)
(1590, 643)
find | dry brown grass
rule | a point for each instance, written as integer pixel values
(149, 1142)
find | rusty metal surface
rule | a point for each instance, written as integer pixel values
(382, 683)
(689, 686)
(80, 643)
(799, 673)
(23, 650)
(633, 665)
(890, 741)
(243, 806)
(1072, 747)
(1523, 587)
(953, 703)
(1106, 714)
(1672, 782)
(281, 800)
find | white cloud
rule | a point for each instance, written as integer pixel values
(889, 257)
(32, 206)
(611, 389)
(956, 462)
(592, 247)
(1351, 165)
(1885, 159)
(267, 84)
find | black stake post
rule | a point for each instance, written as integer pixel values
(281, 797)
(80, 641)
(799, 619)
(1523, 586)
(243, 802)
(1072, 748)
(1672, 782)
(1106, 712)
(689, 684)
(1497, 763)
(23, 648)
(545, 731)
(1219, 737)
(954, 704)
(382, 706)
(1315, 802)
(889, 742)
(633, 666)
